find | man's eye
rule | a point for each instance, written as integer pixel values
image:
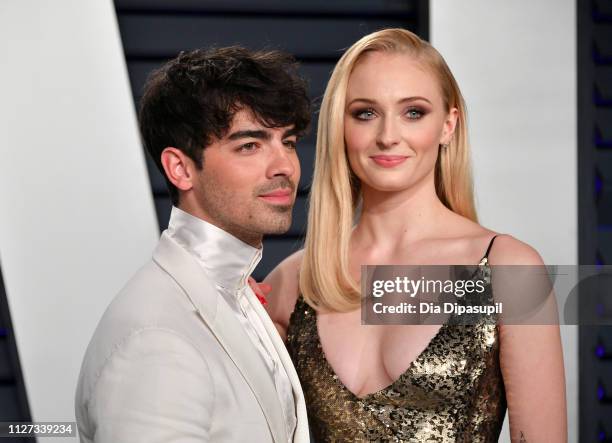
(247, 147)
(364, 114)
(414, 114)
(290, 143)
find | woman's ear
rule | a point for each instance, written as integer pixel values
(449, 126)
(178, 168)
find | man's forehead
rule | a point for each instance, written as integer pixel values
(244, 116)
(245, 119)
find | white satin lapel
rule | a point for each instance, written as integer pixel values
(301, 432)
(220, 319)
(238, 346)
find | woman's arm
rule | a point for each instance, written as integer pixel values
(284, 280)
(531, 363)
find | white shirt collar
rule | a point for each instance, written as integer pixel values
(227, 260)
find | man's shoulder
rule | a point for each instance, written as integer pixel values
(151, 299)
(148, 296)
(150, 314)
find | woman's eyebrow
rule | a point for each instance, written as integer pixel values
(412, 99)
(365, 100)
(401, 100)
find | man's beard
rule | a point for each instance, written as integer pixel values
(255, 217)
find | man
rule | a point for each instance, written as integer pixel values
(186, 353)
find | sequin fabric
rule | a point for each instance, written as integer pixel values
(452, 392)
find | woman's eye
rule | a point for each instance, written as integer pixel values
(364, 114)
(414, 114)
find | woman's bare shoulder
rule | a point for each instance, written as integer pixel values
(508, 250)
(284, 281)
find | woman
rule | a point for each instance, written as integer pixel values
(392, 185)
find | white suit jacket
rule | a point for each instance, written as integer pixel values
(170, 362)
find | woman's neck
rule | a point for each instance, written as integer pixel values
(389, 219)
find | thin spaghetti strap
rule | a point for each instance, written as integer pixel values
(485, 258)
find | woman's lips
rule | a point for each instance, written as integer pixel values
(388, 161)
(279, 197)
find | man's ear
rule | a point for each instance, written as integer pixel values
(449, 126)
(178, 167)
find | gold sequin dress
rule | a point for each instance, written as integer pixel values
(452, 392)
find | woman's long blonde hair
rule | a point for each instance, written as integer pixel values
(325, 280)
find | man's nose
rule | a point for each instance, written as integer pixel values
(283, 162)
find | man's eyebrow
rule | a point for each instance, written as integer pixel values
(250, 133)
(290, 132)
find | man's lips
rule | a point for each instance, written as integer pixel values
(388, 161)
(283, 196)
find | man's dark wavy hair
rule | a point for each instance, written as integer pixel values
(194, 97)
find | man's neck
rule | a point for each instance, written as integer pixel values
(248, 237)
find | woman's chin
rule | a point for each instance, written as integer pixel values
(385, 186)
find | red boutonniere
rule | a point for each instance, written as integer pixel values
(260, 290)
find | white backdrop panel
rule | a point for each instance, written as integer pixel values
(515, 62)
(77, 216)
